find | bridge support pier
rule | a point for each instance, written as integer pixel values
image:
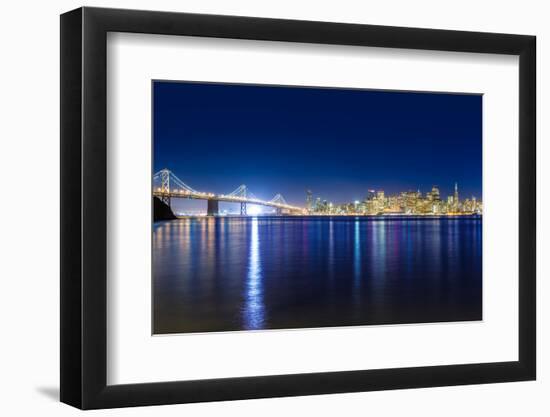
(243, 209)
(166, 199)
(213, 208)
(279, 211)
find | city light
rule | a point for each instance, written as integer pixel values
(403, 203)
(254, 210)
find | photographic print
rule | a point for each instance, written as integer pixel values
(287, 207)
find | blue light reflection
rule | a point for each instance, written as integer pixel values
(254, 310)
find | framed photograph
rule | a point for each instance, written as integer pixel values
(257, 208)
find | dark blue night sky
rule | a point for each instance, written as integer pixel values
(336, 142)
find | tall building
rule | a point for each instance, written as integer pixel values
(371, 194)
(450, 204)
(309, 200)
(435, 193)
(381, 200)
(455, 199)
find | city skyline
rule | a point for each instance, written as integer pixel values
(336, 142)
(404, 202)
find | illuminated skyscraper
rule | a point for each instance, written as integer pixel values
(371, 194)
(309, 200)
(381, 200)
(450, 204)
(435, 193)
(455, 199)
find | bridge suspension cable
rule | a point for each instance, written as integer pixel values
(243, 191)
(278, 199)
(169, 181)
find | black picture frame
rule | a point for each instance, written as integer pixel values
(84, 207)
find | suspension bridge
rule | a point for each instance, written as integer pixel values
(166, 186)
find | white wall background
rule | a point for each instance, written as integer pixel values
(29, 232)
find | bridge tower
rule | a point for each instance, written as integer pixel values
(243, 192)
(279, 199)
(165, 186)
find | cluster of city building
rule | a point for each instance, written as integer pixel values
(404, 203)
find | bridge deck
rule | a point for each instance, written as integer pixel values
(225, 198)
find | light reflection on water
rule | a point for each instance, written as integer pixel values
(356, 253)
(220, 274)
(253, 315)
